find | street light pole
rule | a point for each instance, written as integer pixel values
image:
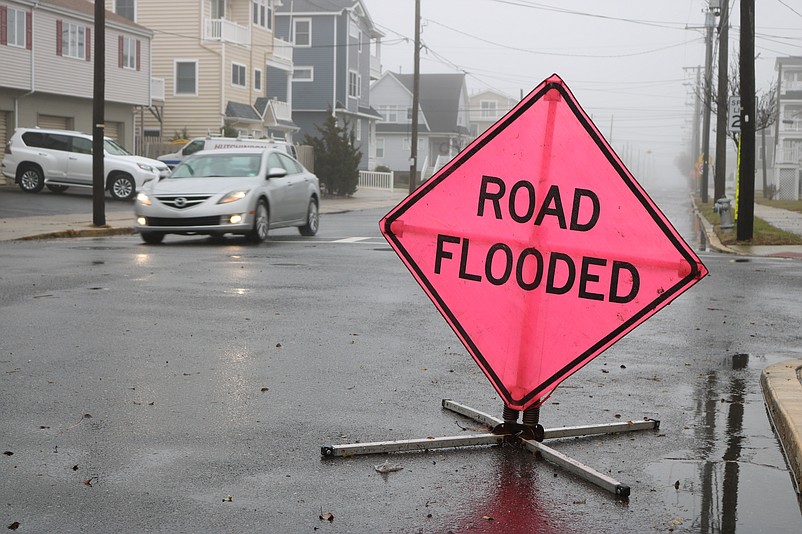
(709, 24)
(719, 181)
(413, 155)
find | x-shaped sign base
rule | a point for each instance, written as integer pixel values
(506, 432)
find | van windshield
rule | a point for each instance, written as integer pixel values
(219, 165)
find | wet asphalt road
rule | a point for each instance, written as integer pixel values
(142, 387)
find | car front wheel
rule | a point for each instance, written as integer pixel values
(122, 187)
(31, 179)
(152, 238)
(261, 223)
(312, 219)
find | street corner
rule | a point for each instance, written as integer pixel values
(782, 390)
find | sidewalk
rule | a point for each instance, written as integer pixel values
(119, 223)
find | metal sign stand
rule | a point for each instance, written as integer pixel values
(529, 433)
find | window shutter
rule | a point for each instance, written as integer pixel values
(3, 25)
(138, 50)
(88, 44)
(29, 31)
(58, 37)
(120, 45)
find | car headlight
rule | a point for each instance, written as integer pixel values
(145, 167)
(143, 199)
(233, 196)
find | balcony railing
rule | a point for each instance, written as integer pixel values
(282, 110)
(788, 155)
(226, 31)
(282, 51)
(157, 89)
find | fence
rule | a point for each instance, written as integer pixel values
(376, 180)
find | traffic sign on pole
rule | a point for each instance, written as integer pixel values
(734, 114)
(538, 246)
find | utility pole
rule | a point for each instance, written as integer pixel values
(709, 24)
(413, 156)
(98, 117)
(746, 185)
(720, 179)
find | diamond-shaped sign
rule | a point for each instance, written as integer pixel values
(538, 246)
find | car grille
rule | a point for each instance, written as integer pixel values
(187, 221)
(182, 201)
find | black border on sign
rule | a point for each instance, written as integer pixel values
(628, 180)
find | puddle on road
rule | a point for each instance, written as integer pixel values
(734, 478)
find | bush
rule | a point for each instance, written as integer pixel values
(336, 157)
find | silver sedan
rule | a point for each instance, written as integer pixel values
(233, 191)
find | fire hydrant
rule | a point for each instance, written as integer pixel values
(722, 207)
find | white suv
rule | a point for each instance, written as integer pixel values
(35, 158)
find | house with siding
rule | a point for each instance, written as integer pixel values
(337, 50)
(213, 59)
(487, 107)
(47, 56)
(788, 129)
(443, 120)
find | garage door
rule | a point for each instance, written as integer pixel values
(54, 122)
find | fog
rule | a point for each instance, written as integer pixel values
(631, 65)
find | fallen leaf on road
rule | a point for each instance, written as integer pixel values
(387, 467)
(328, 516)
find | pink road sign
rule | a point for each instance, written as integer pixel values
(538, 246)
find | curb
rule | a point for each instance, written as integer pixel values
(710, 232)
(782, 391)
(89, 232)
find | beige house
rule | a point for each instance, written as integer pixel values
(488, 107)
(47, 56)
(209, 59)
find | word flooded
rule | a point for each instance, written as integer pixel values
(558, 273)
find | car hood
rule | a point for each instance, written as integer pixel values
(143, 160)
(197, 186)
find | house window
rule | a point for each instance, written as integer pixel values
(129, 55)
(302, 32)
(487, 109)
(73, 40)
(394, 113)
(238, 74)
(358, 130)
(218, 9)
(263, 13)
(354, 84)
(303, 74)
(186, 78)
(125, 8)
(257, 79)
(380, 147)
(15, 26)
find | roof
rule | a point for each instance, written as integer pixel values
(328, 7)
(237, 110)
(439, 98)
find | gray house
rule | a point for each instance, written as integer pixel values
(443, 120)
(336, 54)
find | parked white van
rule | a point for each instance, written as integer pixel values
(222, 143)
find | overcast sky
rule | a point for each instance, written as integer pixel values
(629, 63)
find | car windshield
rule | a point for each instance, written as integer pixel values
(114, 149)
(218, 165)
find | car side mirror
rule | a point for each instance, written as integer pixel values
(276, 172)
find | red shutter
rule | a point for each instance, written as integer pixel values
(120, 45)
(138, 50)
(29, 31)
(58, 37)
(3, 25)
(88, 44)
